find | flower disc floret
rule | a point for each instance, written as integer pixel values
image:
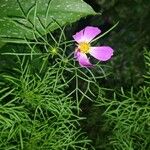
(84, 47)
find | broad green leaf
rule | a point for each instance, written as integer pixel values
(33, 18)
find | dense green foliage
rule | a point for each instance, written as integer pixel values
(47, 101)
(35, 111)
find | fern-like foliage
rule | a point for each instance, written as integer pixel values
(127, 115)
(147, 63)
(35, 112)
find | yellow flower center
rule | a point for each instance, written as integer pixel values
(84, 47)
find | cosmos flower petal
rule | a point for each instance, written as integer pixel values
(102, 53)
(87, 34)
(90, 33)
(76, 53)
(78, 37)
(82, 59)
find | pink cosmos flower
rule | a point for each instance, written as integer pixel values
(84, 39)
